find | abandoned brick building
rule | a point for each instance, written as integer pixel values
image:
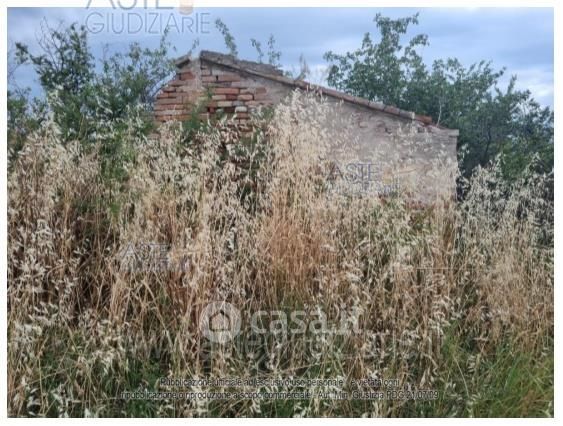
(216, 83)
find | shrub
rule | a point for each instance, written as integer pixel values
(452, 297)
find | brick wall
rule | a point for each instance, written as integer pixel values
(212, 90)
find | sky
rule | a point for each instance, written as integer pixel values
(519, 39)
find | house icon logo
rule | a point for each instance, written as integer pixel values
(220, 322)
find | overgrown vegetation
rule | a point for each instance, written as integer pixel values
(491, 121)
(456, 297)
(83, 96)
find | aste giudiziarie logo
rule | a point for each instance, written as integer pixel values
(135, 17)
(363, 178)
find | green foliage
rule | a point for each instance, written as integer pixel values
(304, 70)
(65, 70)
(258, 46)
(134, 77)
(65, 63)
(477, 326)
(78, 337)
(25, 116)
(274, 55)
(227, 36)
(491, 121)
(194, 123)
(112, 106)
(80, 98)
(379, 71)
(508, 382)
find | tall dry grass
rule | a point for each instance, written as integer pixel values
(448, 297)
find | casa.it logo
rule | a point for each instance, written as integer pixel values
(220, 322)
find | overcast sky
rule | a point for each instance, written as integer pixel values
(520, 39)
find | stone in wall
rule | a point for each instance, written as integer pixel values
(405, 146)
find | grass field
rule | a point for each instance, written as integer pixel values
(455, 297)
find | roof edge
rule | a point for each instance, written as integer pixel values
(258, 70)
(182, 60)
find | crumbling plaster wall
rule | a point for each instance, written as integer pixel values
(420, 157)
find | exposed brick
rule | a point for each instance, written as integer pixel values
(170, 112)
(161, 107)
(426, 119)
(175, 107)
(216, 84)
(228, 77)
(170, 101)
(238, 94)
(188, 75)
(226, 91)
(189, 88)
(240, 84)
(253, 103)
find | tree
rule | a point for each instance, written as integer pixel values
(65, 69)
(380, 71)
(134, 77)
(81, 98)
(491, 121)
(24, 117)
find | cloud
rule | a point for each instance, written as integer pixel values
(520, 39)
